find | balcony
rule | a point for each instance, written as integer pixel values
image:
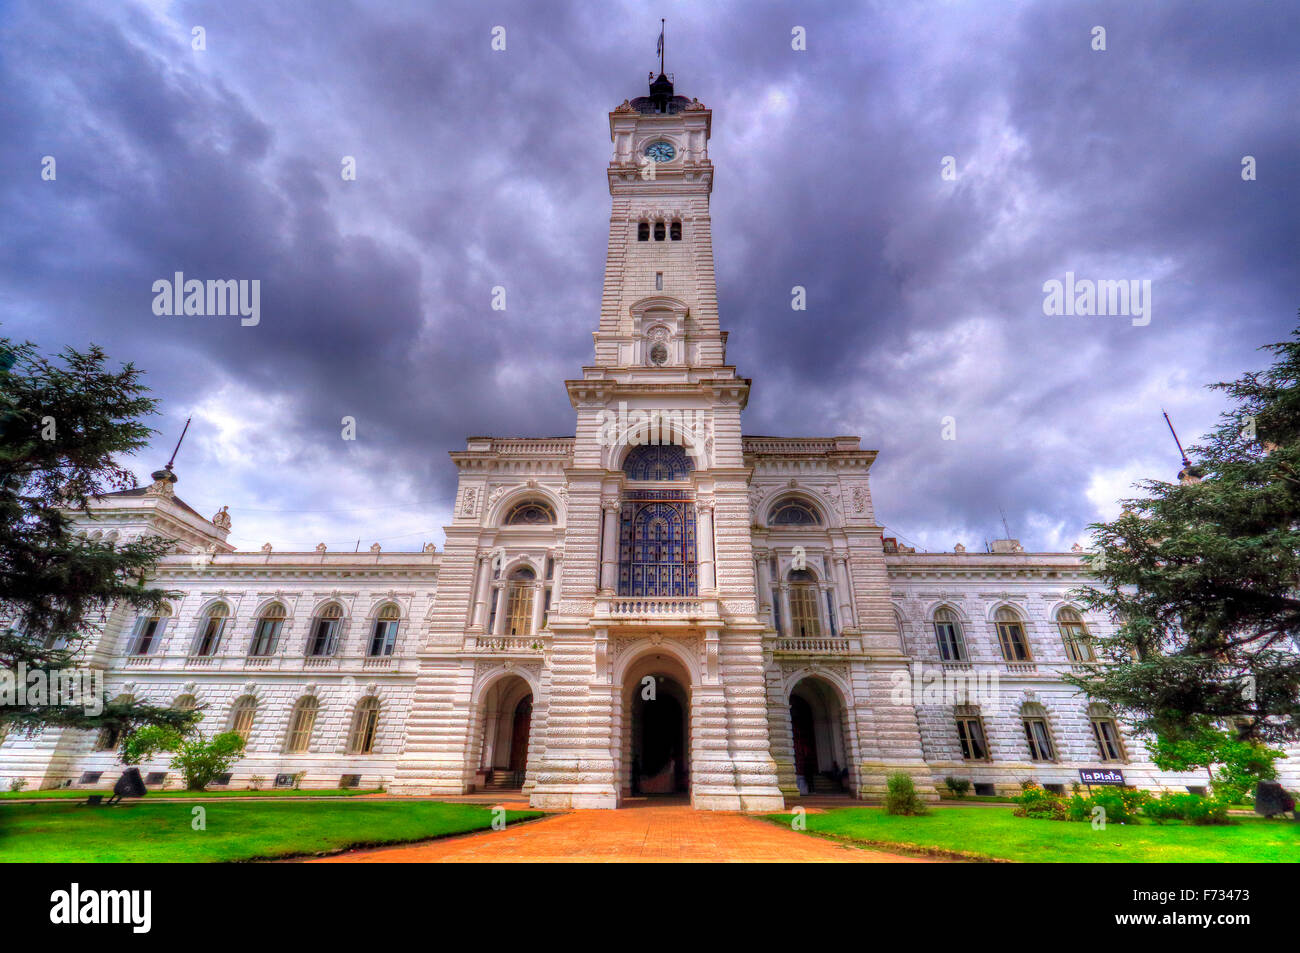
(506, 643)
(1022, 668)
(817, 646)
(657, 610)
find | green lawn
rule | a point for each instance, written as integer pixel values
(998, 834)
(236, 830)
(64, 794)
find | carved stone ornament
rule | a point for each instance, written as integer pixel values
(222, 518)
(320, 547)
(266, 548)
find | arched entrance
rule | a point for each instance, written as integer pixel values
(656, 731)
(819, 730)
(505, 725)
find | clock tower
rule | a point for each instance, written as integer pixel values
(658, 592)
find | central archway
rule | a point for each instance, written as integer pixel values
(818, 729)
(655, 753)
(505, 716)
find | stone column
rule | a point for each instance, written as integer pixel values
(842, 583)
(609, 546)
(500, 593)
(787, 620)
(765, 587)
(481, 591)
(704, 511)
(539, 597)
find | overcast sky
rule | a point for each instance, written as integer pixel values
(478, 168)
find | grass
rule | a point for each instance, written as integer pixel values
(64, 794)
(999, 835)
(161, 832)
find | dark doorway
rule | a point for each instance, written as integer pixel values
(660, 755)
(805, 739)
(519, 734)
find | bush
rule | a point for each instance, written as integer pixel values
(901, 798)
(17, 784)
(1033, 801)
(1192, 808)
(957, 787)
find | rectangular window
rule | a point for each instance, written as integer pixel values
(148, 633)
(1103, 729)
(325, 638)
(266, 637)
(643, 231)
(1040, 740)
(803, 608)
(776, 610)
(210, 638)
(675, 231)
(1078, 646)
(546, 608)
(384, 637)
(830, 612)
(950, 647)
(659, 281)
(520, 621)
(659, 231)
(1011, 636)
(970, 730)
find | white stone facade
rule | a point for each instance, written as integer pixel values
(525, 648)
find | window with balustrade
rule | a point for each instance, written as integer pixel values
(384, 637)
(948, 634)
(1011, 635)
(148, 633)
(266, 634)
(301, 722)
(242, 715)
(519, 601)
(805, 620)
(1075, 635)
(325, 632)
(365, 727)
(207, 640)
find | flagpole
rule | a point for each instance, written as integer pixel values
(663, 28)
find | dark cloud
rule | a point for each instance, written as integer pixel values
(478, 169)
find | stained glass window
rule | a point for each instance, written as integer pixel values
(656, 552)
(529, 511)
(657, 461)
(794, 513)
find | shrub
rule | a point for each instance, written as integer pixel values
(1033, 801)
(957, 787)
(901, 798)
(1078, 808)
(1116, 806)
(1192, 808)
(17, 784)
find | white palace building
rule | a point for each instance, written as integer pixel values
(659, 604)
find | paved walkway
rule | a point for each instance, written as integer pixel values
(654, 832)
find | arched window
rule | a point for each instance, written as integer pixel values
(365, 725)
(185, 702)
(384, 638)
(804, 617)
(530, 512)
(643, 231)
(208, 639)
(947, 632)
(659, 231)
(519, 602)
(326, 628)
(675, 231)
(1037, 733)
(1078, 643)
(1011, 635)
(1105, 732)
(301, 722)
(794, 512)
(970, 732)
(658, 461)
(241, 716)
(266, 636)
(108, 738)
(148, 632)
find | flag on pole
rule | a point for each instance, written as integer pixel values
(659, 50)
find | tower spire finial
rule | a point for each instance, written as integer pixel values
(184, 430)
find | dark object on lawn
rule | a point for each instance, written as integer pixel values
(1272, 799)
(128, 785)
(95, 800)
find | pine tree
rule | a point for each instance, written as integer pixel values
(62, 424)
(1203, 575)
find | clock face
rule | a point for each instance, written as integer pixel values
(660, 151)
